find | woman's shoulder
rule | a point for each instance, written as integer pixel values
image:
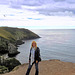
(37, 47)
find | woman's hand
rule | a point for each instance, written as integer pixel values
(36, 61)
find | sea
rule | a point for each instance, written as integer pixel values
(54, 44)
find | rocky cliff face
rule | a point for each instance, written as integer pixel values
(3, 45)
(3, 69)
(12, 50)
(8, 64)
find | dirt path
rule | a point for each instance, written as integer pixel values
(50, 67)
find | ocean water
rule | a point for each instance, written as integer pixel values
(53, 44)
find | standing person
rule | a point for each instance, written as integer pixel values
(34, 58)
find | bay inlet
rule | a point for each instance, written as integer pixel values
(53, 44)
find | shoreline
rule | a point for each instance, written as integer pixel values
(49, 67)
(10, 40)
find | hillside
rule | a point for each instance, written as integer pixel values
(13, 34)
(11, 37)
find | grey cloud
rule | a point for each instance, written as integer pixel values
(4, 1)
(70, 1)
(46, 7)
(57, 11)
(59, 0)
(59, 7)
(15, 3)
(31, 2)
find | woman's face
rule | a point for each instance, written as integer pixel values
(34, 44)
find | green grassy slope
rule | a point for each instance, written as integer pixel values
(16, 33)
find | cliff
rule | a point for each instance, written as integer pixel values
(11, 37)
(13, 34)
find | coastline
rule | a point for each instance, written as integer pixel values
(10, 39)
(46, 67)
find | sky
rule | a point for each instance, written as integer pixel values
(38, 14)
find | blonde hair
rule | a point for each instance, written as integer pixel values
(32, 44)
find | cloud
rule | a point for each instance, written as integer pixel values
(59, 0)
(71, 1)
(15, 3)
(57, 6)
(4, 2)
(66, 13)
(31, 2)
(46, 7)
(38, 14)
(43, 5)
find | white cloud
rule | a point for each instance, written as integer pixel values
(20, 19)
(65, 13)
(43, 5)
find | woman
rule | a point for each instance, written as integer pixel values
(34, 58)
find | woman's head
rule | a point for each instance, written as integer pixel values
(34, 44)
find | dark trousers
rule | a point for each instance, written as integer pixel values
(29, 69)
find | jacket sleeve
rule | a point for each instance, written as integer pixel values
(38, 54)
(30, 55)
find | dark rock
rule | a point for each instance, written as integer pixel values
(12, 50)
(11, 63)
(3, 69)
(3, 50)
(3, 46)
(19, 42)
(13, 54)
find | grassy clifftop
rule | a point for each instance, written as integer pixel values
(16, 33)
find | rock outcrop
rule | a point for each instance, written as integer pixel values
(3, 69)
(8, 64)
(12, 50)
(11, 63)
(3, 45)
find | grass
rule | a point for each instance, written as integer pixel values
(5, 34)
(14, 34)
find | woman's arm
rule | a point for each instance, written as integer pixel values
(37, 55)
(30, 55)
